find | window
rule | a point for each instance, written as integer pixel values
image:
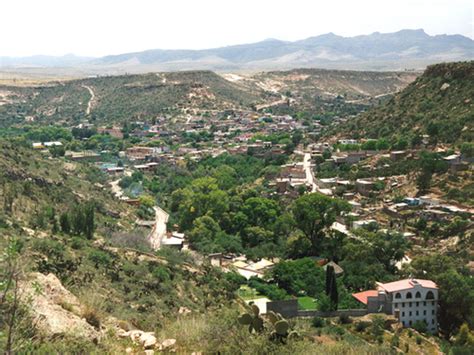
(403, 304)
(409, 322)
(432, 321)
(409, 295)
(398, 295)
(424, 303)
(417, 312)
(409, 304)
(409, 313)
(430, 295)
(403, 314)
(432, 311)
(417, 304)
(424, 312)
(418, 294)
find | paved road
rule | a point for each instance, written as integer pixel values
(309, 172)
(159, 230)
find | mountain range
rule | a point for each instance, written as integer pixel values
(405, 49)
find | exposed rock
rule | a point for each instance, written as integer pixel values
(56, 310)
(148, 340)
(444, 86)
(167, 344)
(149, 352)
(184, 310)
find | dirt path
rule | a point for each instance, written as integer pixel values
(159, 230)
(89, 104)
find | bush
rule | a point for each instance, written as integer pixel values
(420, 326)
(318, 322)
(345, 319)
(92, 317)
(361, 326)
(395, 341)
(418, 340)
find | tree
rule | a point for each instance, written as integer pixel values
(301, 275)
(89, 224)
(65, 223)
(313, 214)
(331, 286)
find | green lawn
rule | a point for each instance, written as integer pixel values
(247, 293)
(306, 302)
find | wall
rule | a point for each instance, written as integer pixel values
(289, 309)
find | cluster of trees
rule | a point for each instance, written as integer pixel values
(79, 220)
(429, 164)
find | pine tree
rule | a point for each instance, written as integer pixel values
(65, 223)
(331, 286)
(89, 226)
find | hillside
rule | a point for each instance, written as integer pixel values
(83, 294)
(124, 97)
(439, 103)
(377, 51)
(144, 96)
(352, 85)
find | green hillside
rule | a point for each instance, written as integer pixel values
(439, 103)
(119, 98)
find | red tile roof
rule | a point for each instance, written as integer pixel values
(362, 296)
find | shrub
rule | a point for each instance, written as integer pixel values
(344, 319)
(395, 341)
(318, 322)
(92, 317)
(361, 326)
(420, 326)
(418, 340)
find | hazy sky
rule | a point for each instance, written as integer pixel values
(100, 27)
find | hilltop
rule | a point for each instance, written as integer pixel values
(439, 103)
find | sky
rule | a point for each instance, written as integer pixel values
(102, 27)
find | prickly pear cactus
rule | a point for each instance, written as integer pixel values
(253, 319)
(281, 327)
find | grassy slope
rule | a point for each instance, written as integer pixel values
(450, 111)
(351, 84)
(126, 97)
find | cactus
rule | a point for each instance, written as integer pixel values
(254, 321)
(281, 327)
(256, 324)
(272, 317)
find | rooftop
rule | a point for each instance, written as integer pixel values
(405, 285)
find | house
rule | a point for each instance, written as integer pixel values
(364, 187)
(337, 269)
(409, 300)
(397, 155)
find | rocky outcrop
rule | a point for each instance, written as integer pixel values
(148, 340)
(55, 310)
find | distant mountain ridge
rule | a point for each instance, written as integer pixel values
(377, 51)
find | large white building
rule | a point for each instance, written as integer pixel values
(409, 300)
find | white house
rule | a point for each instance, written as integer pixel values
(409, 300)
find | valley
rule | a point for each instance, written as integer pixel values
(152, 212)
